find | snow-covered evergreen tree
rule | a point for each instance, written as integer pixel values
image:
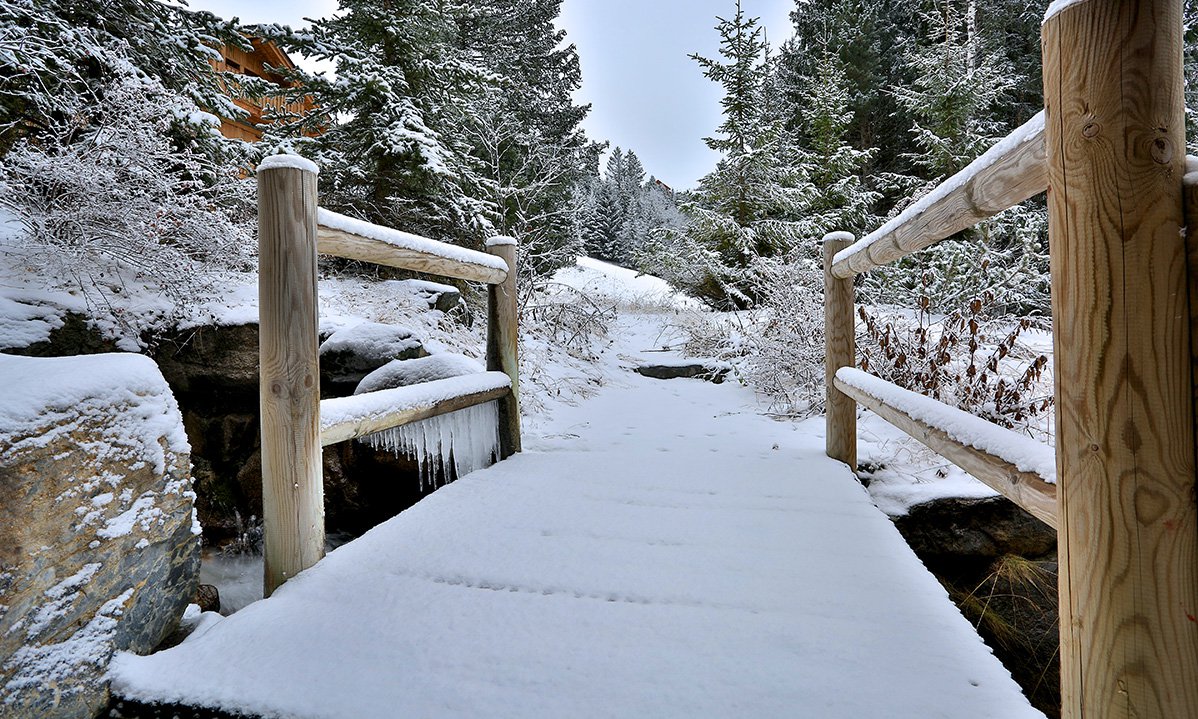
(384, 146)
(754, 203)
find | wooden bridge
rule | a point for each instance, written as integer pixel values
(586, 578)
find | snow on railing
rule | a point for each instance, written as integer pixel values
(1008, 462)
(343, 236)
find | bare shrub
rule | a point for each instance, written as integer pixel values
(963, 359)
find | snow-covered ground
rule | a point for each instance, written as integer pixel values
(660, 549)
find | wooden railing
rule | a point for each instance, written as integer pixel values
(1109, 150)
(295, 422)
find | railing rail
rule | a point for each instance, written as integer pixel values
(1012, 464)
(1125, 319)
(295, 422)
(341, 236)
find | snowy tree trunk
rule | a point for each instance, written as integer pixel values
(502, 344)
(292, 484)
(1128, 533)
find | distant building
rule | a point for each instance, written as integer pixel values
(255, 64)
(664, 187)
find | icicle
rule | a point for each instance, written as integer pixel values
(468, 439)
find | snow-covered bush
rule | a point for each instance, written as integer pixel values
(116, 203)
(777, 347)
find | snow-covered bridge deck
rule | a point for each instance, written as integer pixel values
(668, 552)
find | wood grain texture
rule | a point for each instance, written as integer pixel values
(292, 482)
(1190, 208)
(360, 428)
(503, 347)
(1125, 437)
(1026, 489)
(1016, 176)
(840, 339)
(366, 249)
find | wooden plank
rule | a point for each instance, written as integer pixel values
(1125, 435)
(448, 261)
(840, 342)
(1026, 489)
(503, 343)
(360, 427)
(292, 483)
(1008, 174)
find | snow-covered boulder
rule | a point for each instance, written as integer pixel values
(438, 296)
(402, 373)
(99, 548)
(349, 354)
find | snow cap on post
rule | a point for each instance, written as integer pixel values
(501, 240)
(839, 237)
(293, 162)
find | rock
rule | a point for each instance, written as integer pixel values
(49, 332)
(438, 296)
(973, 528)
(207, 598)
(216, 363)
(713, 371)
(350, 354)
(99, 549)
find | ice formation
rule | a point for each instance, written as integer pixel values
(467, 439)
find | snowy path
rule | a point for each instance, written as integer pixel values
(662, 551)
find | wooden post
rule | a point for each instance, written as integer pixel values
(841, 342)
(503, 343)
(1125, 437)
(292, 485)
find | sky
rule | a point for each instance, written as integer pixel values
(646, 93)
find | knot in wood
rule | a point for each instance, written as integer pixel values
(1091, 129)
(1162, 151)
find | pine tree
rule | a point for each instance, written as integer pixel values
(522, 138)
(958, 86)
(753, 204)
(384, 146)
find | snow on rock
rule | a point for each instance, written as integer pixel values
(401, 373)
(663, 551)
(1191, 176)
(23, 324)
(99, 547)
(294, 162)
(48, 398)
(407, 240)
(351, 353)
(1001, 148)
(501, 241)
(1025, 453)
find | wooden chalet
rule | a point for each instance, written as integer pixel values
(263, 61)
